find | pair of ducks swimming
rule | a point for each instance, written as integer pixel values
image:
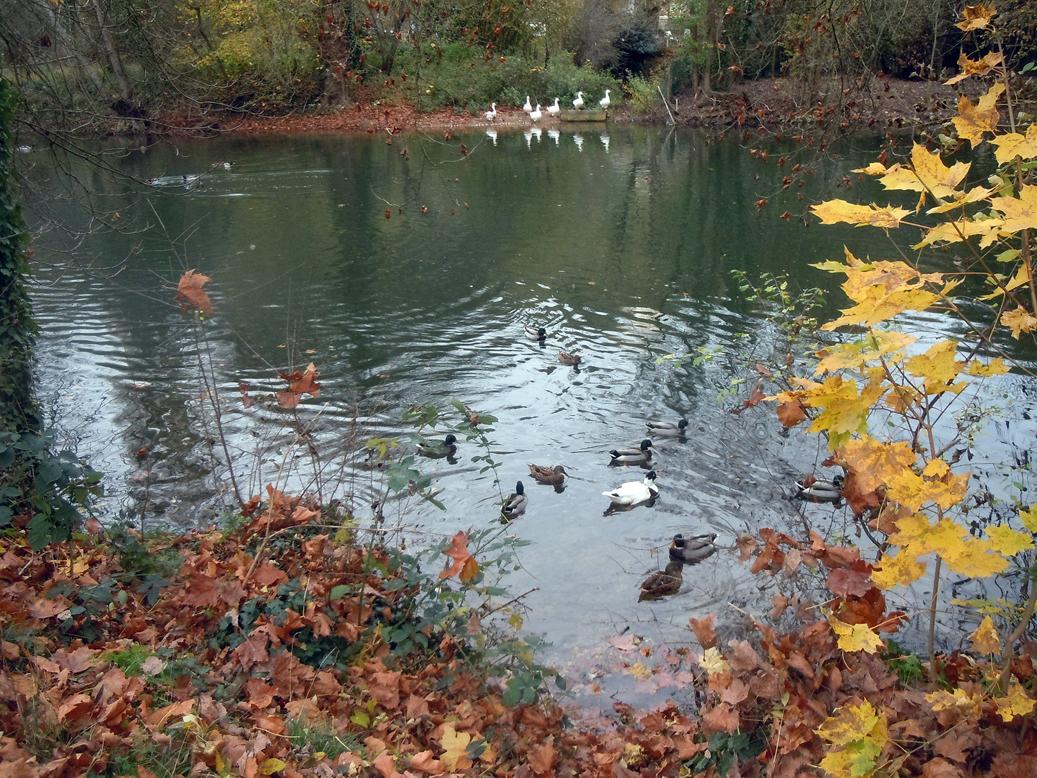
(683, 551)
(539, 334)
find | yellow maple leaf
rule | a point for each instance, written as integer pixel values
(935, 468)
(455, 748)
(873, 169)
(855, 637)
(898, 570)
(1019, 321)
(1008, 541)
(926, 174)
(986, 229)
(937, 365)
(996, 366)
(960, 701)
(974, 121)
(852, 723)
(985, 639)
(271, 766)
(872, 346)
(640, 671)
(1013, 144)
(975, 67)
(1029, 518)
(1015, 703)
(976, 17)
(874, 462)
(713, 662)
(912, 491)
(976, 194)
(844, 407)
(1020, 213)
(867, 215)
(973, 558)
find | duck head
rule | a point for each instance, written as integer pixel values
(560, 469)
(449, 440)
(519, 488)
(541, 333)
(646, 444)
(650, 475)
(682, 424)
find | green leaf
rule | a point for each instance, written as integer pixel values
(340, 591)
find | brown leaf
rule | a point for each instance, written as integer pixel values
(175, 710)
(705, 630)
(190, 292)
(74, 707)
(791, 413)
(46, 608)
(722, 718)
(425, 762)
(385, 765)
(542, 759)
(941, 768)
(852, 581)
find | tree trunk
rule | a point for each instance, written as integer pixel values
(112, 54)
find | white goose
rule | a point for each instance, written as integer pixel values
(634, 492)
(492, 113)
(528, 106)
(578, 102)
(606, 101)
(554, 109)
(536, 113)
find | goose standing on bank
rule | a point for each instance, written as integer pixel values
(606, 101)
(536, 113)
(667, 428)
(634, 492)
(554, 109)
(515, 504)
(492, 113)
(641, 455)
(578, 102)
(528, 106)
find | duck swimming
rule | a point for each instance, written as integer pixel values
(635, 492)
(641, 455)
(813, 489)
(567, 358)
(691, 551)
(445, 448)
(662, 582)
(667, 427)
(547, 475)
(515, 504)
(535, 333)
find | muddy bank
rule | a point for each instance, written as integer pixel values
(769, 104)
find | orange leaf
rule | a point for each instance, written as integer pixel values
(190, 292)
(458, 551)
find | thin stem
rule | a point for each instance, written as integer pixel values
(932, 619)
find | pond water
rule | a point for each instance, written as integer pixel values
(406, 268)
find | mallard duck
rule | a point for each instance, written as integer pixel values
(692, 550)
(634, 492)
(667, 427)
(578, 102)
(606, 101)
(567, 358)
(535, 333)
(813, 489)
(662, 582)
(446, 448)
(515, 504)
(528, 106)
(632, 456)
(547, 475)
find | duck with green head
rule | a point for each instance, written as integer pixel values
(692, 550)
(642, 455)
(445, 448)
(515, 503)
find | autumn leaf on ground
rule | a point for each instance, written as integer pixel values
(190, 292)
(868, 215)
(464, 563)
(959, 701)
(713, 662)
(974, 121)
(1015, 703)
(455, 748)
(858, 733)
(1019, 321)
(855, 637)
(976, 17)
(985, 639)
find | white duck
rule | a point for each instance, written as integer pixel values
(606, 101)
(634, 492)
(536, 113)
(554, 109)
(492, 113)
(578, 102)
(528, 106)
